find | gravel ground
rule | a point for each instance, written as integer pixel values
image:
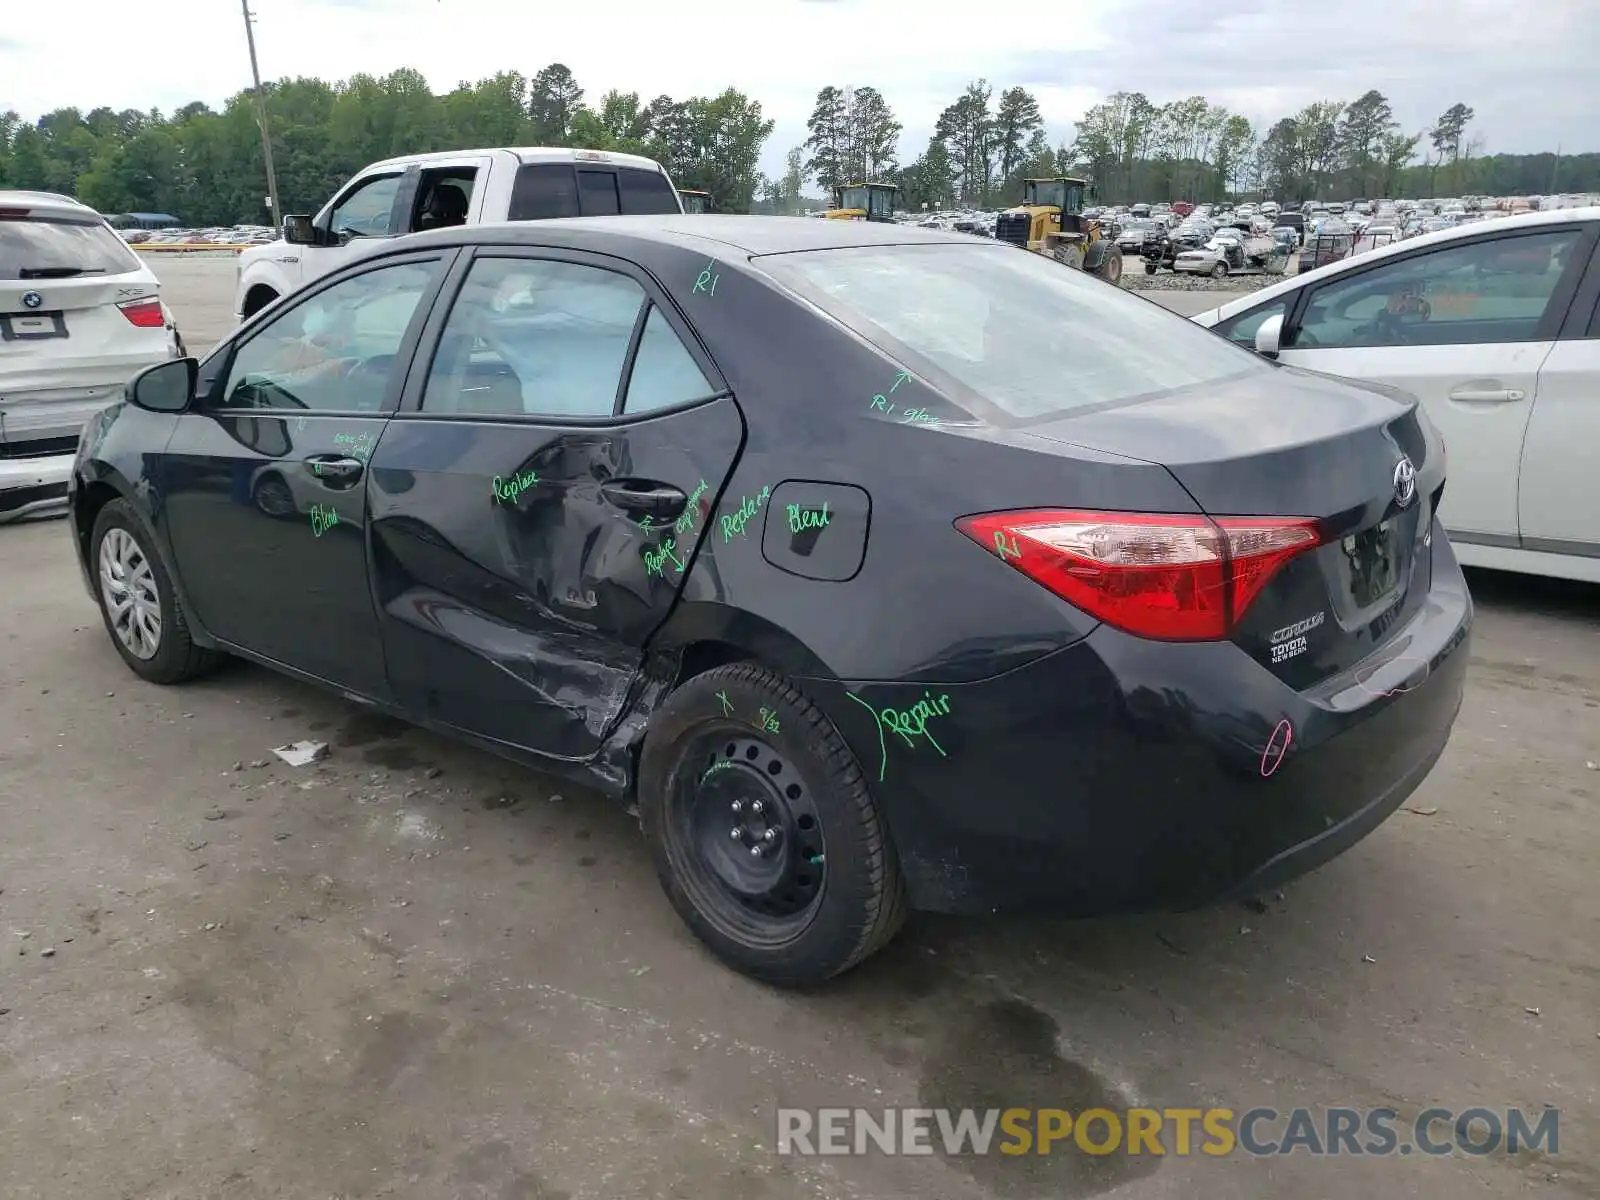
(1170, 281)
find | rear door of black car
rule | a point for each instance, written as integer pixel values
(539, 496)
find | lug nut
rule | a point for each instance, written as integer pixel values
(755, 807)
(736, 832)
(770, 835)
(758, 850)
(738, 806)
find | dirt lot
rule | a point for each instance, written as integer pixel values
(415, 971)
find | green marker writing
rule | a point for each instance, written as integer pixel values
(510, 488)
(323, 518)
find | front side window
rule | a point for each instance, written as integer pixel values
(534, 337)
(1011, 335)
(369, 210)
(1241, 330)
(1496, 290)
(334, 351)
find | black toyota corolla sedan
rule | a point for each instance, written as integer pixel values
(884, 568)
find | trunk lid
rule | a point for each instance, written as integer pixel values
(1291, 443)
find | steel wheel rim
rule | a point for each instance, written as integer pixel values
(765, 899)
(129, 594)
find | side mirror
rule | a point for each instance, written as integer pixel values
(298, 230)
(164, 388)
(1268, 336)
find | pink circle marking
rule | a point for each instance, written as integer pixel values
(1272, 756)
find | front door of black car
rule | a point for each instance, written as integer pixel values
(538, 498)
(265, 484)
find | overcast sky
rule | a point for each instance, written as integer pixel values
(1526, 69)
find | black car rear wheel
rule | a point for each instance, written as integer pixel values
(764, 835)
(137, 601)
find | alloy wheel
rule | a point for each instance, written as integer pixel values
(129, 592)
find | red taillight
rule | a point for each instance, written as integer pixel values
(1174, 578)
(146, 313)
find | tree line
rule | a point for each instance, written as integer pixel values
(205, 165)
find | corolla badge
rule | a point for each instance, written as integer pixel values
(32, 300)
(1405, 482)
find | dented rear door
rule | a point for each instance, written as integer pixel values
(539, 498)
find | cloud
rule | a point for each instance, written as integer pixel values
(1523, 71)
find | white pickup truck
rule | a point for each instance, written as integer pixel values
(453, 187)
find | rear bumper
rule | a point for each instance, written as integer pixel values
(1121, 775)
(33, 486)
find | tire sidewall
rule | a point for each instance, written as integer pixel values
(830, 941)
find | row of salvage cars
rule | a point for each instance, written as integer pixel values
(1198, 246)
(1230, 250)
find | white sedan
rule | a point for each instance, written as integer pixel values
(1495, 327)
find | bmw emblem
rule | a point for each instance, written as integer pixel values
(32, 300)
(1405, 482)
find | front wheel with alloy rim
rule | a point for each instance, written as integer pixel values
(141, 611)
(764, 834)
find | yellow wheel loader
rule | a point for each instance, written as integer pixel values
(863, 202)
(1050, 221)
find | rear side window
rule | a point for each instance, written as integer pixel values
(597, 193)
(61, 249)
(1011, 332)
(534, 337)
(646, 192)
(544, 191)
(664, 373)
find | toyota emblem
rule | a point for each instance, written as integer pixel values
(31, 300)
(1405, 482)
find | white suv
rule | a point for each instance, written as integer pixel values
(80, 314)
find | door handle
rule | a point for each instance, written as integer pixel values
(1472, 395)
(335, 470)
(659, 500)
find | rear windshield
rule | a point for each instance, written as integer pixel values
(646, 192)
(543, 191)
(45, 249)
(1016, 330)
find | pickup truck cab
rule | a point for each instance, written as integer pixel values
(451, 187)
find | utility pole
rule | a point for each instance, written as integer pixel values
(261, 119)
